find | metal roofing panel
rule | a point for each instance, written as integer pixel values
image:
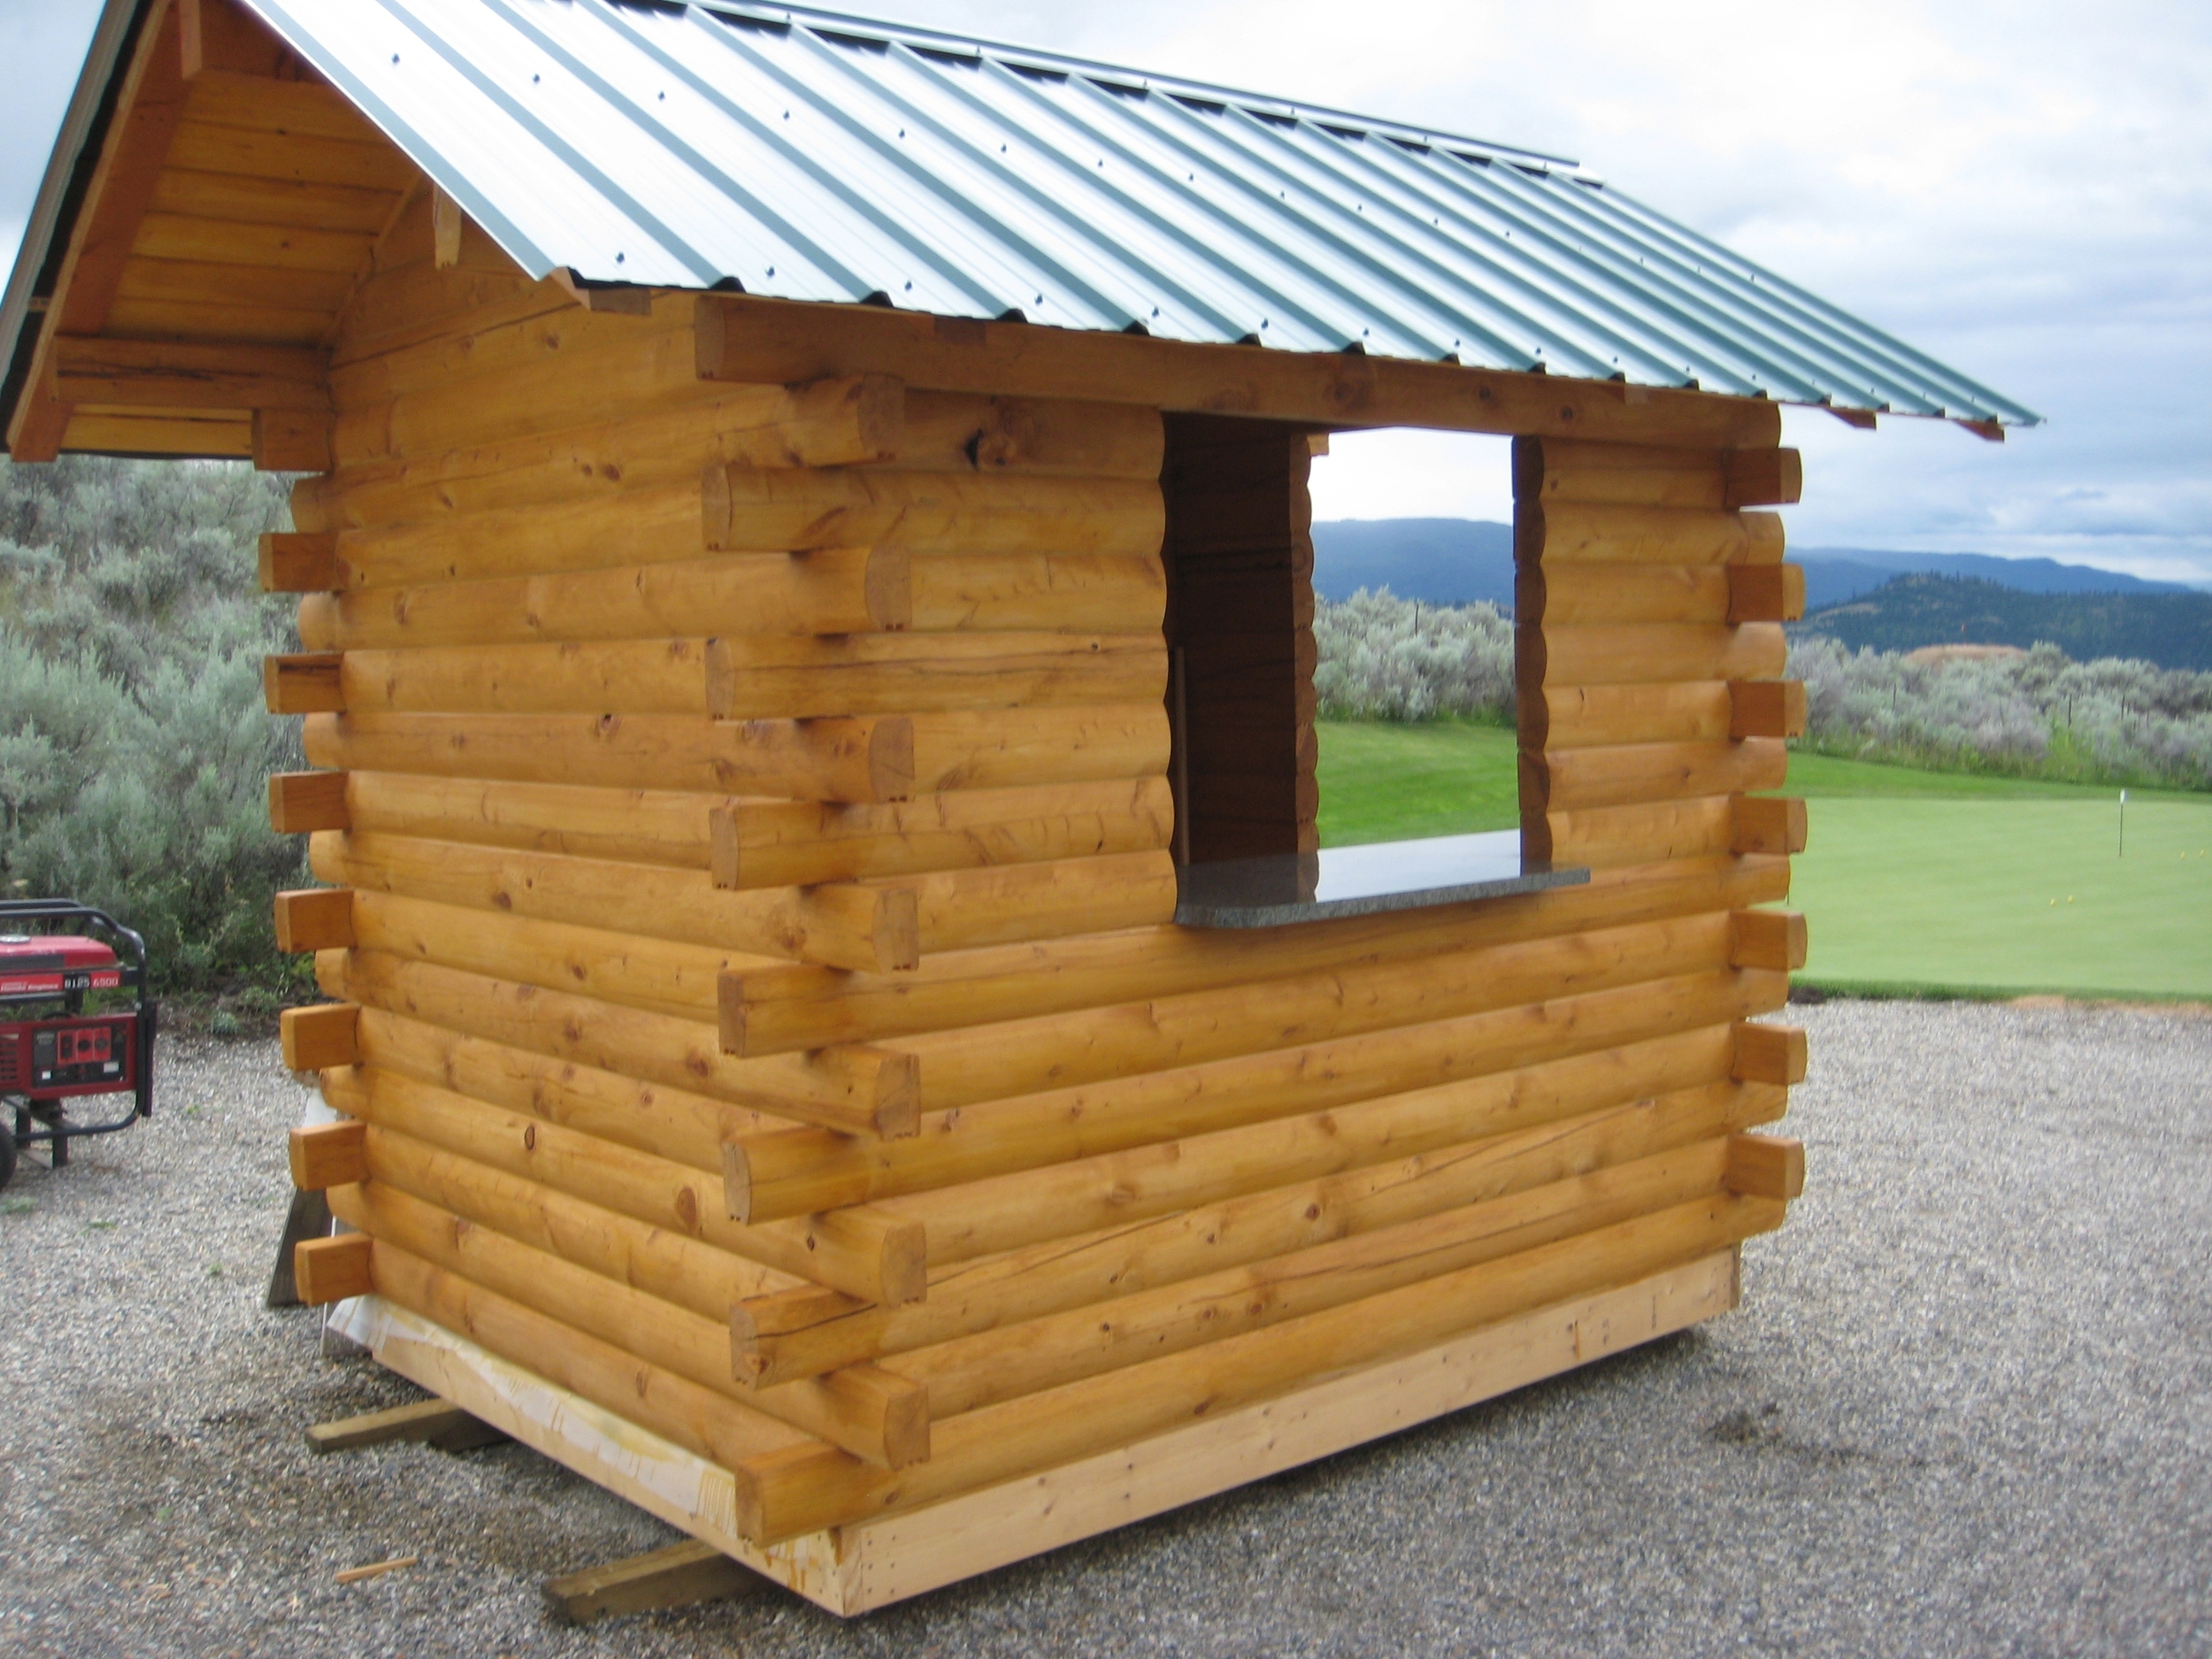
(813, 156)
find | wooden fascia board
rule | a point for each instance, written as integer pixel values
(189, 374)
(784, 341)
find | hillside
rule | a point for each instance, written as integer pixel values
(1463, 561)
(2173, 630)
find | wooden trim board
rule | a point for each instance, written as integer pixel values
(854, 1569)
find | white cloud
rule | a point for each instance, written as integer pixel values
(2022, 189)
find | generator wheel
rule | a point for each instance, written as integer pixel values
(7, 1152)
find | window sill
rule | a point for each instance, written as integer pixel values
(1291, 888)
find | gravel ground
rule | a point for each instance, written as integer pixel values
(1966, 1409)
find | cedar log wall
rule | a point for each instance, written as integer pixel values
(744, 790)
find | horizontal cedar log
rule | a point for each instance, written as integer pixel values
(773, 843)
(1765, 478)
(1569, 780)
(757, 842)
(774, 1010)
(189, 374)
(841, 926)
(872, 759)
(1631, 653)
(291, 441)
(328, 1154)
(676, 1123)
(1769, 1054)
(318, 1036)
(807, 426)
(1766, 708)
(1086, 978)
(1478, 1141)
(855, 760)
(1606, 838)
(303, 683)
(1600, 717)
(1772, 940)
(753, 678)
(314, 919)
(882, 1419)
(743, 338)
(760, 508)
(1579, 595)
(836, 590)
(1766, 592)
(1569, 594)
(875, 928)
(292, 562)
(532, 362)
(802, 1491)
(652, 827)
(303, 802)
(994, 1366)
(665, 977)
(1575, 532)
(701, 1420)
(790, 1173)
(1018, 1211)
(1547, 468)
(857, 1091)
(325, 1271)
(651, 524)
(1766, 827)
(1765, 1166)
(876, 1257)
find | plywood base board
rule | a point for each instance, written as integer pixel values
(853, 1569)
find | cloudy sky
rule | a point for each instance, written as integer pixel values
(2021, 188)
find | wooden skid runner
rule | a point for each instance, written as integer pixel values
(854, 1569)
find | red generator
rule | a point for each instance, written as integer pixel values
(75, 1020)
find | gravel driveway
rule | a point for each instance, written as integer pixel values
(1966, 1409)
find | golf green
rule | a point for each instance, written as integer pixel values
(1913, 881)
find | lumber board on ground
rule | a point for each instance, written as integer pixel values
(680, 1575)
(858, 1568)
(438, 1422)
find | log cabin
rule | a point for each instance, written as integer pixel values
(840, 1026)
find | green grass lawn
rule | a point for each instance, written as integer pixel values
(1913, 881)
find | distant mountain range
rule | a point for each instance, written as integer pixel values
(2087, 612)
(1460, 561)
(2173, 630)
